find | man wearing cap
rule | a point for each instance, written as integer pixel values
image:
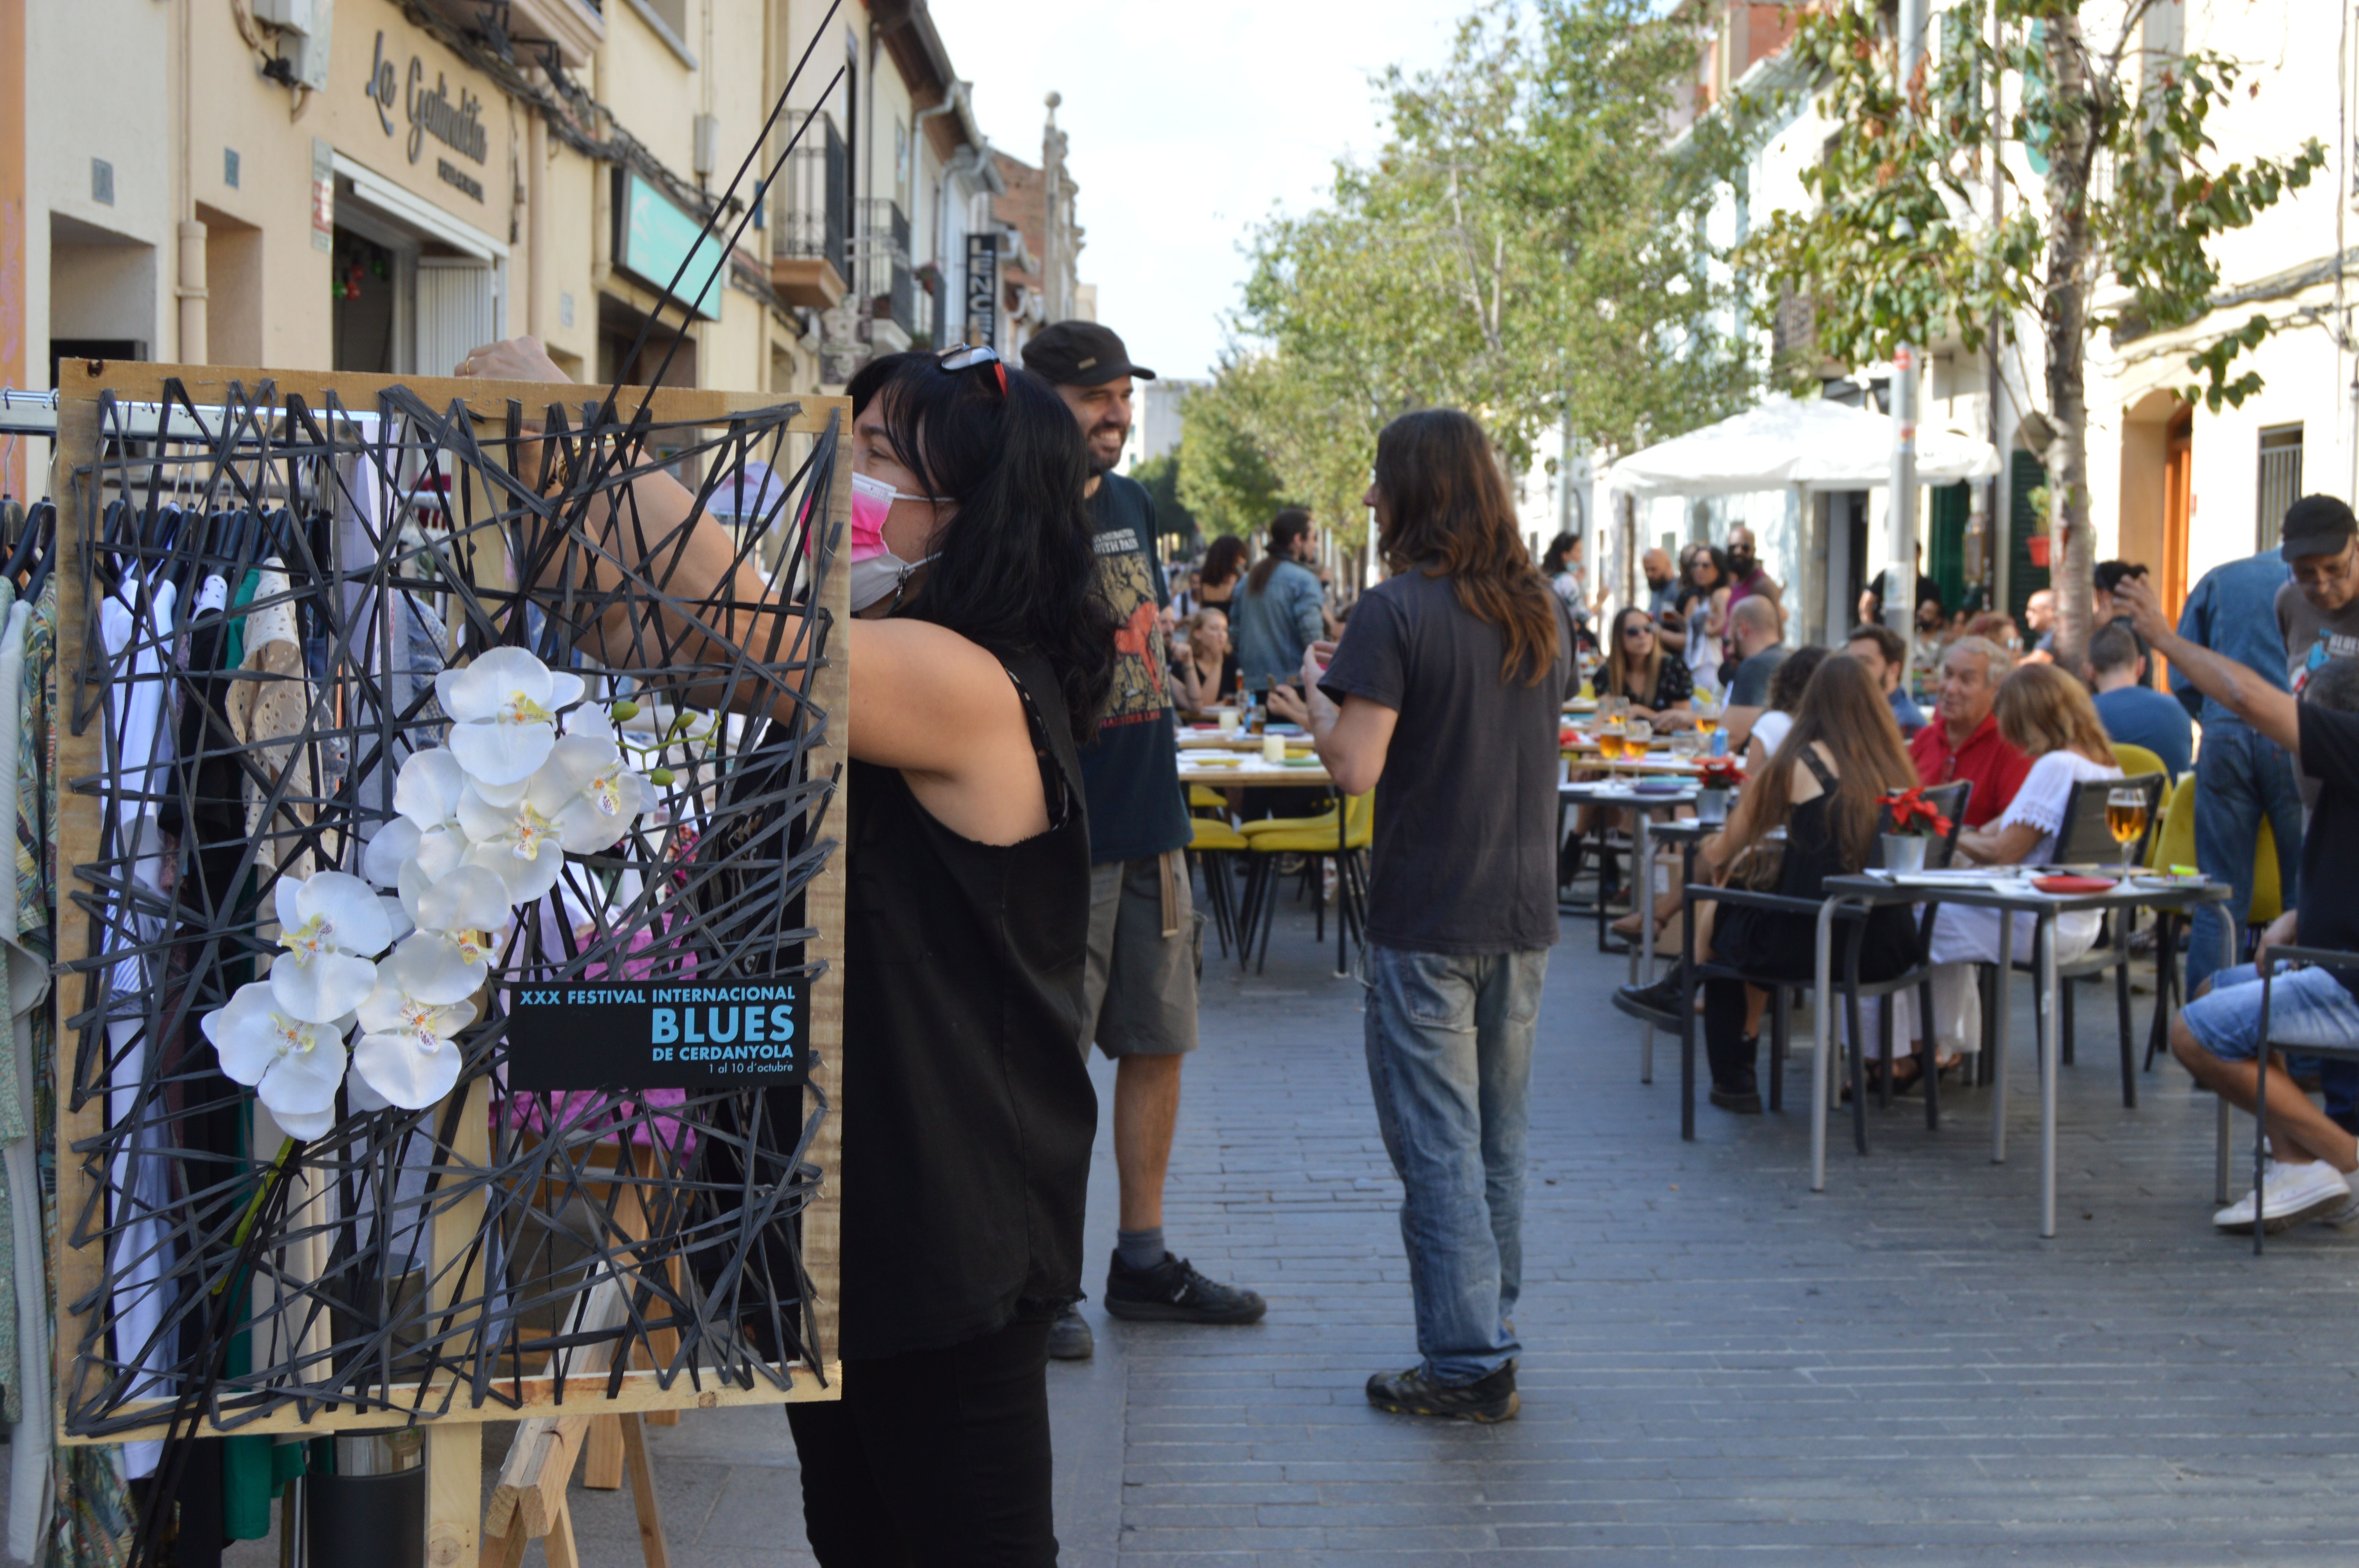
(1141, 997)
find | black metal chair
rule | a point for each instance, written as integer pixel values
(2267, 960)
(1950, 800)
(2086, 840)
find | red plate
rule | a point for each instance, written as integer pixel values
(2073, 885)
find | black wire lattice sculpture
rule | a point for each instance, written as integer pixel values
(266, 590)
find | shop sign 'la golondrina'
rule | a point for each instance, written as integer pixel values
(458, 126)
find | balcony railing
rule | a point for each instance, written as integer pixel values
(809, 218)
(881, 259)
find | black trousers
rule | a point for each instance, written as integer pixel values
(1734, 1059)
(936, 1459)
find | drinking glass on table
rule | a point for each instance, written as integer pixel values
(1635, 737)
(2125, 820)
(1707, 713)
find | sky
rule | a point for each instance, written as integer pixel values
(1186, 125)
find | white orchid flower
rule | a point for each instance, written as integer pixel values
(292, 1064)
(404, 1052)
(332, 925)
(426, 794)
(598, 796)
(503, 711)
(459, 919)
(520, 843)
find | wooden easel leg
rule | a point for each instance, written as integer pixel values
(559, 1543)
(512, 1548)
(454, 1493)
(602, 1459)
(642, 1493)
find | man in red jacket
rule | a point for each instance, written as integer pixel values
(1963, 742)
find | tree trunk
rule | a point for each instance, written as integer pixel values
(2073, 543)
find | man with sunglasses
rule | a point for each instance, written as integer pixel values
(1141, 997)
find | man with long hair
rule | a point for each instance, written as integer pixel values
(1280, 612)
(1465, 652)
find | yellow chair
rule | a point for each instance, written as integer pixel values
(2175, 845)
(1314, 837)
(1201, 798)
(2268, 894)
(1212, 841)
(2136, 761)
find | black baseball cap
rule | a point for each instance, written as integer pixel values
(1080, 354)
(2316, 526)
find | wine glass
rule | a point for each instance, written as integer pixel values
(1707, 714)
(1635, 737)
(2125, 820)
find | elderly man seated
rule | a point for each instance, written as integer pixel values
(2218, 1035)
(1963, 742)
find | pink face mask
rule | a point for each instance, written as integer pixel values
(876, 569)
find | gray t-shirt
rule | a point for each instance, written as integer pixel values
(2311, 637)
(1464, 853)
(1751, 687)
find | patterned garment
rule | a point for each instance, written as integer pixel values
(93, 1517)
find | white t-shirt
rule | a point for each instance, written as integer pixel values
(1770, 729)
(2047, 790)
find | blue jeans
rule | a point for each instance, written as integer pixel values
(2307, 1007)
(1449, 1060)
(2241, 778)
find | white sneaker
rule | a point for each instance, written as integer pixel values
(2342, 1213)
(2288, 1195)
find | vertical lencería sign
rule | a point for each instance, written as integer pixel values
(657, 1035)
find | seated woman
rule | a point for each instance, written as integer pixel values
(1785, 687)
(1204, 662)
(1636, 667)
(1660, 689)
(2045, 715)
(1843, 755)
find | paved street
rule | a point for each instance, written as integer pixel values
(1718, 1363)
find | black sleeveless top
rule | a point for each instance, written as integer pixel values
(968, 1110)
(1778, 945)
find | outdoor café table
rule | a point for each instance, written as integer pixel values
(1616, 792)
(2015, 896)
(1252, 773)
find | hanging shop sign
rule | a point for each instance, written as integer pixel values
(983, 288)
(657, 1035)
(654, 236)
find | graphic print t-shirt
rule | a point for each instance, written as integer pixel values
(2311, 637)
(1131, 771)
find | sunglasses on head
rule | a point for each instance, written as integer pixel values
(957, 360)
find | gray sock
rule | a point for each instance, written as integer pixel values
(1139, 1248)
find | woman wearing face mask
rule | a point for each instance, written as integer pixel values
(980, 653)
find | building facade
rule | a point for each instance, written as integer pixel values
(378, 186)
(2174, 484)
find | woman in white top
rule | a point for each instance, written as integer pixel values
(1703, 611)
(1785, 698)
(2045, 715)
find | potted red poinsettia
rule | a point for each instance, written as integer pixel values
(1716, 780)
(1913, 822)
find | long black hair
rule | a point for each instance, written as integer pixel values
(1016, 568)
(1290, 523)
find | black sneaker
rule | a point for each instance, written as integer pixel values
(1658, 1004)
(1413, 1393)
(1070, 1338)
(1172, 1292)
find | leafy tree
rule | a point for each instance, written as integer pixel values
(1160, 476)
(1524, 245)
(1226, 478)
(1901, 249)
